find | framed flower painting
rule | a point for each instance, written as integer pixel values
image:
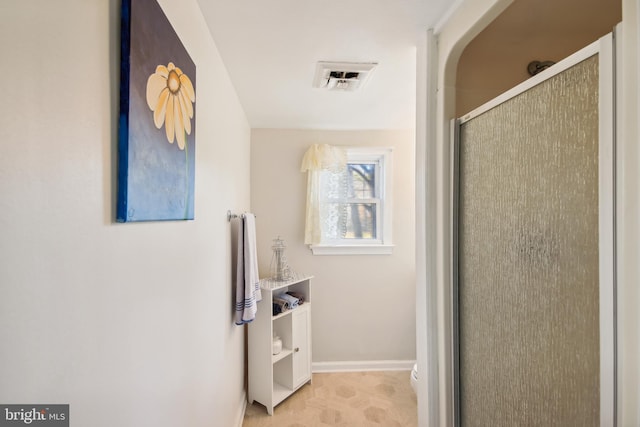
(156, 141)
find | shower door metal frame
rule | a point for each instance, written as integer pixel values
(605, 49)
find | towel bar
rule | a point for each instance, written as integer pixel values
(231, 215)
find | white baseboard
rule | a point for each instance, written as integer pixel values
(243, 408)
(364, 365)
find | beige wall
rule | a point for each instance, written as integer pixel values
(364, 306)
(130, 324)
(528, 30)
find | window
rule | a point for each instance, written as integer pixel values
(354, 204)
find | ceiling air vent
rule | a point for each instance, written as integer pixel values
(345, 76)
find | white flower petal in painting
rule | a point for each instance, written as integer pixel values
(155, 84)
(161, 108)
(169, 123)
(185, 113)
(179, 123)
(187, 87)
(170, 95)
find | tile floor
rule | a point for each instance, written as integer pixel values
(353, 399)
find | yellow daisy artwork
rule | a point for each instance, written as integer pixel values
(170, 96)
(157, 123)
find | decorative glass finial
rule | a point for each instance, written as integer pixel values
(280, 270)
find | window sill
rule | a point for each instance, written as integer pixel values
(351, 249)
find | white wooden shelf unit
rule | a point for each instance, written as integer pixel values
(273, 378)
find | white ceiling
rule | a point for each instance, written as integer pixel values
(271, 48)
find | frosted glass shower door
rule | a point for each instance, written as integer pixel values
(528, 257)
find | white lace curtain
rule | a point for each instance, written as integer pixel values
(326, 179)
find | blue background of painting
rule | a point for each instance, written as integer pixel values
(156, 178)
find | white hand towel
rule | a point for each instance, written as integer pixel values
(251, 275)
(248, 279)
(240, 289)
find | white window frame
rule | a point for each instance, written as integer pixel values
(382, 245)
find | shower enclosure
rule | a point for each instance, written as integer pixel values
(533, 233)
